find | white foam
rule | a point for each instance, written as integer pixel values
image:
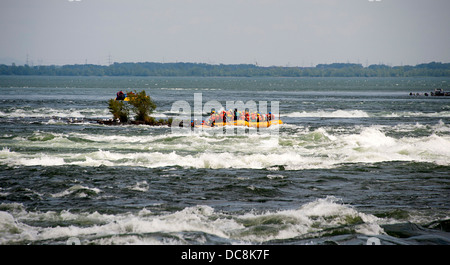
(42, 160)
(405, 114)
(313, 217)
(140, 186)
(46, 112)
(328, 114)
(79, 189)
(7, 223)
(363, 114)
(310, 218)
(275, 176)
(302, 149)
(5, 152)
(372, 145)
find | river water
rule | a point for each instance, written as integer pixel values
(356, 159)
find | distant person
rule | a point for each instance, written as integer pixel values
(120, 95)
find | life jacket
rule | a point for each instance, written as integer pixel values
(120, 95)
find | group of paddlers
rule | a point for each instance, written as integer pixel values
(122, 96)
(226, 117)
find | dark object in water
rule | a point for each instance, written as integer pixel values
(439, 92)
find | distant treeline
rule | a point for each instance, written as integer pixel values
(436, 69)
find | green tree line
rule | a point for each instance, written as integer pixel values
(436, 69)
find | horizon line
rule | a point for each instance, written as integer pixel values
(225, 64)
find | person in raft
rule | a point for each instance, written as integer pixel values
(120, 95)
(230, 116)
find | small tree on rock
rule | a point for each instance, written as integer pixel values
(142, 105)
(119, 110)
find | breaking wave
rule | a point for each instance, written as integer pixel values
(45, 112)
(363, 114)
(304, 149)
(145, 227)
(328, 114)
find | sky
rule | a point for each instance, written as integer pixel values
(263, 32)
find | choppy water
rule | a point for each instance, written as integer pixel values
(356, 158)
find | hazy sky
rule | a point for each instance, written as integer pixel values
(267, 32)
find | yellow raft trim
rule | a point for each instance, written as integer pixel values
(125, 99)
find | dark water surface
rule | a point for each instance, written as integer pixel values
(355, 159)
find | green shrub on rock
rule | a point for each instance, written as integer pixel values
(119, 110)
